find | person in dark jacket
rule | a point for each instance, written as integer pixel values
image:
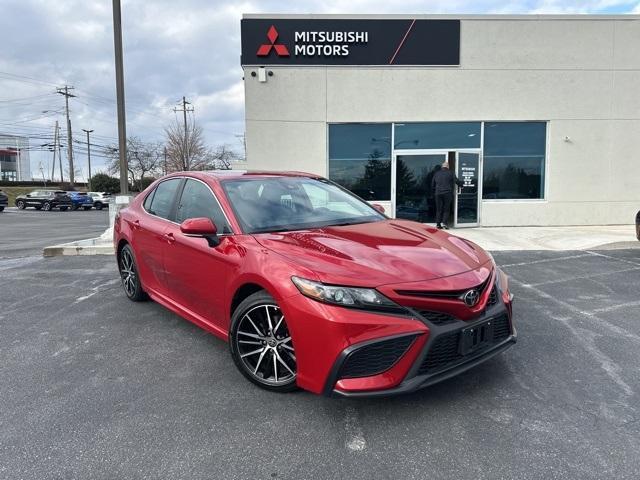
(442, 186)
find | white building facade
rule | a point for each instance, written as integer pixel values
(539, 115)
(15, 164)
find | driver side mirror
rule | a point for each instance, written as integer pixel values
(201, 227)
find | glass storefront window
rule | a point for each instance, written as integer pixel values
(360, 158)
(437, 135)
(514, 158)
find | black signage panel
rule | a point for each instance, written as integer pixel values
(350, 42)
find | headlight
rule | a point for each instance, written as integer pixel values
(366, 298)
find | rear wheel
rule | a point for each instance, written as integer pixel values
(20, 204)
(261, 344)
(129, 275)
(2, 208)
(98, 205)
(46, 206)
(63, 209)
(86, 208)
(74, 207)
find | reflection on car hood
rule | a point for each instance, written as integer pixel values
(377, 253)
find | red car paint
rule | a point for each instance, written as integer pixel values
(397, 257)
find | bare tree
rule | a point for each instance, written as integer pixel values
(221, 157)
(144, 160)
(186, 150)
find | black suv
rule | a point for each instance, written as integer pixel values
(4, 200)
(44, 200)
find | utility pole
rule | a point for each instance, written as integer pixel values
(88, 157)
(55, 144)
(65, 91)
(186, 161)
(122, 129)
(60, 155)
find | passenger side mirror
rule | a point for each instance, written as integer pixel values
(201, 227)
(378, 207)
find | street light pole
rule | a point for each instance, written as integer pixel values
(88, 157)
(122, 130)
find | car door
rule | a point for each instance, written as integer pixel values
(148, 229)
(197, 273)
(33, 199)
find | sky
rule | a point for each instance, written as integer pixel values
(171, 48)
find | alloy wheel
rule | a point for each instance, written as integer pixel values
(264, 345)
(20, 205)
(128, 272)
(46, 206)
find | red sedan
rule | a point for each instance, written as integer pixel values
(311, 286)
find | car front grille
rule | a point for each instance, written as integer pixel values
(375, 358)
(445, 352)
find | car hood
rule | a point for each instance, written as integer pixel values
(378, 253)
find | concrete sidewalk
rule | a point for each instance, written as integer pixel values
(551, 238)
(489, 238)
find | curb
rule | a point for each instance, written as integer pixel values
(69, 249)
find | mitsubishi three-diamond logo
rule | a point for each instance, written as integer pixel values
(265, 48)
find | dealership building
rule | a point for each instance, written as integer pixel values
(539, 115)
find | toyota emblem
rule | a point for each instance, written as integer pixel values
(471, 297)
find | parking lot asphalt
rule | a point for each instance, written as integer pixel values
(93, 386)
(27, 232)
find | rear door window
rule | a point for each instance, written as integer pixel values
(162, 201)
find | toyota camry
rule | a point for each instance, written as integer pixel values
(311, 286)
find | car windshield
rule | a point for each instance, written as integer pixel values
(270, 204)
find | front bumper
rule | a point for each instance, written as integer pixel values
(326, 336)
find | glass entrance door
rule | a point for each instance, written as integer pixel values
(412, 174)
(467, 199)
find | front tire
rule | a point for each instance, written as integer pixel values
(129, 275)
(46, 206)
(21, 205)
(261, 344)
(63, 209)
(2, 209)
(74, 207)
(98, 206)
(86, 208)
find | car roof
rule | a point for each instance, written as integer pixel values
(225, 174)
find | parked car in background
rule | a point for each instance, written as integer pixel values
(80, 200)
(638, 225)
(4, 200)
(44, 200)
(311, 286)
(100, 199)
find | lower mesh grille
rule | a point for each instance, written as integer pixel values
(375, 358)
(445, 352)
(437, 318)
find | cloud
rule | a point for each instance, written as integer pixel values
(172, 48)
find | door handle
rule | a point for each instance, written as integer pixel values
(136, 224)
(169, 238)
